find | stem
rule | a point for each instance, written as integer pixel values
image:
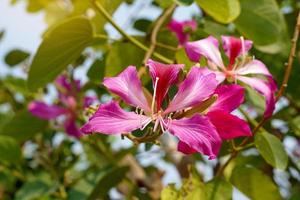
(156, 29)
(137, 43)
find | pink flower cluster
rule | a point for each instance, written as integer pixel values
(68, 100)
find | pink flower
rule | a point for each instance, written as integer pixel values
(239, 68)
(67, 97)
(196, 133)
(182, 29)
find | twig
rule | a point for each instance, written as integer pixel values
(279, 94)
(137, 43)
(156, 29)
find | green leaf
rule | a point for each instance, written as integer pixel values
(32, 190)
(271, 149)
(223, 11)
(14, 84)
(218, 189)
(122, 55)
(60, 47)
(182, 58)
(23, 126)
(2, 34)
(10, 150)
(96, 71)
(142, 24)
(184, 2)
(262, 22)
(15, 57)
(110, 179)
(254, 183)
(170, 193)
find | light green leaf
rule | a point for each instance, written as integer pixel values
(271, 149)
(15, 57)
(218, 189)
(223, 11)
(60, 47)
(170, 193)
(184, 2)
(254, 183)
(23, 126)
(10, 150)
(262, 22)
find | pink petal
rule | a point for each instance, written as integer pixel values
(193, 90)
(111, 119)
(128, 86)
(233, 47)
(228, 125)
(179, 29)
(254, 67)
(208, 47)
(63, 82)
(184, 148)
(44, 111)
(230, 97)
(220, 76)
(71, 128)
(89, 100)
(264, 88)
(167, 75)
(198, 133)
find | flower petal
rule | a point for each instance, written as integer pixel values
(254, 67)
(71, 128)
(264, 88)
(198, 133)
(233, 47)
(193, 90)
(128, 86)
(63, 82)
(220, 76)
(208, 47)
(110, 118)
(184, 148)
(230, 97)
(167, 75)
(44, 111)
(179, 29)
(228, 125)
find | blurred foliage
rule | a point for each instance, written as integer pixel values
(39, 161)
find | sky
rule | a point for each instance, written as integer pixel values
(23, 31)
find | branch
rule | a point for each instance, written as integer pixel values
(137, 43)
(156, 29)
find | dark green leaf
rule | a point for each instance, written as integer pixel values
(142, 25)
(272, 150)
(224, 11)
(23, 126)
(96, 71)
(15, 57)
(110, 179)
(60, 47)
(254, 183)
(262, 22)
(32, 190)
(10, 150)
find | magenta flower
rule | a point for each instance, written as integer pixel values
(182, 29)
(196, 133)
(239, 68)
(67, 96)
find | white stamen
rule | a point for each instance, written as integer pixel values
(156, 125)
(146, 123)
(154, 95)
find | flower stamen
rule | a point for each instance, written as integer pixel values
(154, 95)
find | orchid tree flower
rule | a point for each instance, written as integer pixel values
(239, 68)
(182, 29)
(195, 132)
(68, 108)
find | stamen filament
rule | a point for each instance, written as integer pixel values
(154, 95)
